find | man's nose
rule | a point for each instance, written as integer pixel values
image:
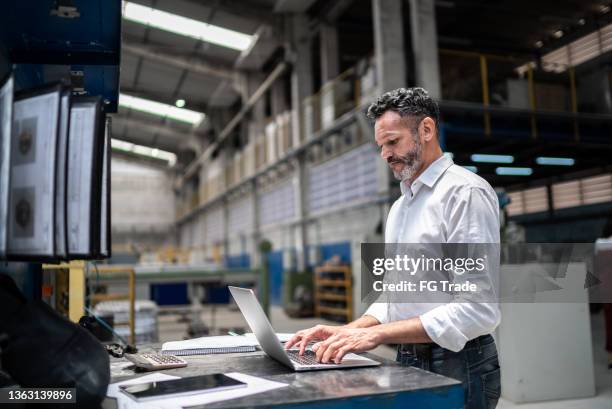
(385, 154)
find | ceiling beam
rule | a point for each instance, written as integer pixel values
(292, 6)
(192, 64)
(336, 9)
(180, 140)
(239, 8)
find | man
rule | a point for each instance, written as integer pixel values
(440, 203)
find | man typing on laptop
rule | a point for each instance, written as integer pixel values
(440, 203)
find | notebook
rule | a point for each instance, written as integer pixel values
(224, 344)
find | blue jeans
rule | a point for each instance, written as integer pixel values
(476, 366)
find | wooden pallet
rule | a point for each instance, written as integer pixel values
(338, 277)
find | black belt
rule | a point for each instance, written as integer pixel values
(424, 351)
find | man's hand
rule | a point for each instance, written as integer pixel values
(346, 340)
(316, 333)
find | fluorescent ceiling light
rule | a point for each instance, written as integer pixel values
(186, 26)
(472, 168)
(163, 110)
(124, 146)
(479, 157)
(543, 160)
(180, 103)
(508, 171)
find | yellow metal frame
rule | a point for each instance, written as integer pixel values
(131, 296)
(76, 286)
(484, 76)
(76, 289)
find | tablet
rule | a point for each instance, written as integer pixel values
(180, 387)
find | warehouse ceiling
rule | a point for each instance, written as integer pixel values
(515, 26)
(161, 66)
(165, 67)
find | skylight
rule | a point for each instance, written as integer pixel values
(124, 146)
(186, 26)
(164, 110)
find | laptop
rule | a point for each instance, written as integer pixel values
(261, 327)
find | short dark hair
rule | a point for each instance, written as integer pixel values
(414, 102)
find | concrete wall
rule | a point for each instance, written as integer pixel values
(142, 204)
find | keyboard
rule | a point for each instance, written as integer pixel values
(309, 358)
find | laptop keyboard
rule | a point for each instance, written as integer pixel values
(309, 358)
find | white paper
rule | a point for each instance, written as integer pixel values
(104, 205)
(33, 153)
(254, 385)
(6, 118)
(224, 341)
(80, 176)
(60, 188)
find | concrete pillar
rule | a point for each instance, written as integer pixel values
(256, 262)
(389, 44)
(254, 80)
(425, 46)
(226, 238)
(330, 55)
(301, 75)
(301, 205)
(278, 97)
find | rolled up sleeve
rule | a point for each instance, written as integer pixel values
(380, 311)
(452, 325)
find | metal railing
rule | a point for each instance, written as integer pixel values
(501, 81)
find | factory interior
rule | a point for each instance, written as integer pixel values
(217, 143)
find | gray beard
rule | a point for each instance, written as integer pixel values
(412, 162)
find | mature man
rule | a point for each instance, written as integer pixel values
(440, 203)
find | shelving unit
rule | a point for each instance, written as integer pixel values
(334, 293)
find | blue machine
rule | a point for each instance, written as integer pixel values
(78, 41)
(75, 41)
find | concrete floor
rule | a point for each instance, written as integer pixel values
(229, 318)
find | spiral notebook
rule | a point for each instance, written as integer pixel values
(224, 344)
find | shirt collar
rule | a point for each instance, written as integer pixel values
(429, 176)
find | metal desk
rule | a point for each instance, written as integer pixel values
(388, 386)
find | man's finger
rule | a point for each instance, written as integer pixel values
(323, 347)
(341, 352)
(305, 340)
(331, 350)
(315, 347)
(293, 340)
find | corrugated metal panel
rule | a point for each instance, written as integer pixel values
(584, 48)
(240, 214)
(580, 50)
(566, 194)
(536, 200)
(516, 205)
(277, 204)
(214, 226)
(597, 189)
(346, 178)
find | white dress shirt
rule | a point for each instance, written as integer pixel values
(445, 204)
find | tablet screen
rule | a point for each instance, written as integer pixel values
(183, 386)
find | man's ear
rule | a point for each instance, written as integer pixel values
(427, 129)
